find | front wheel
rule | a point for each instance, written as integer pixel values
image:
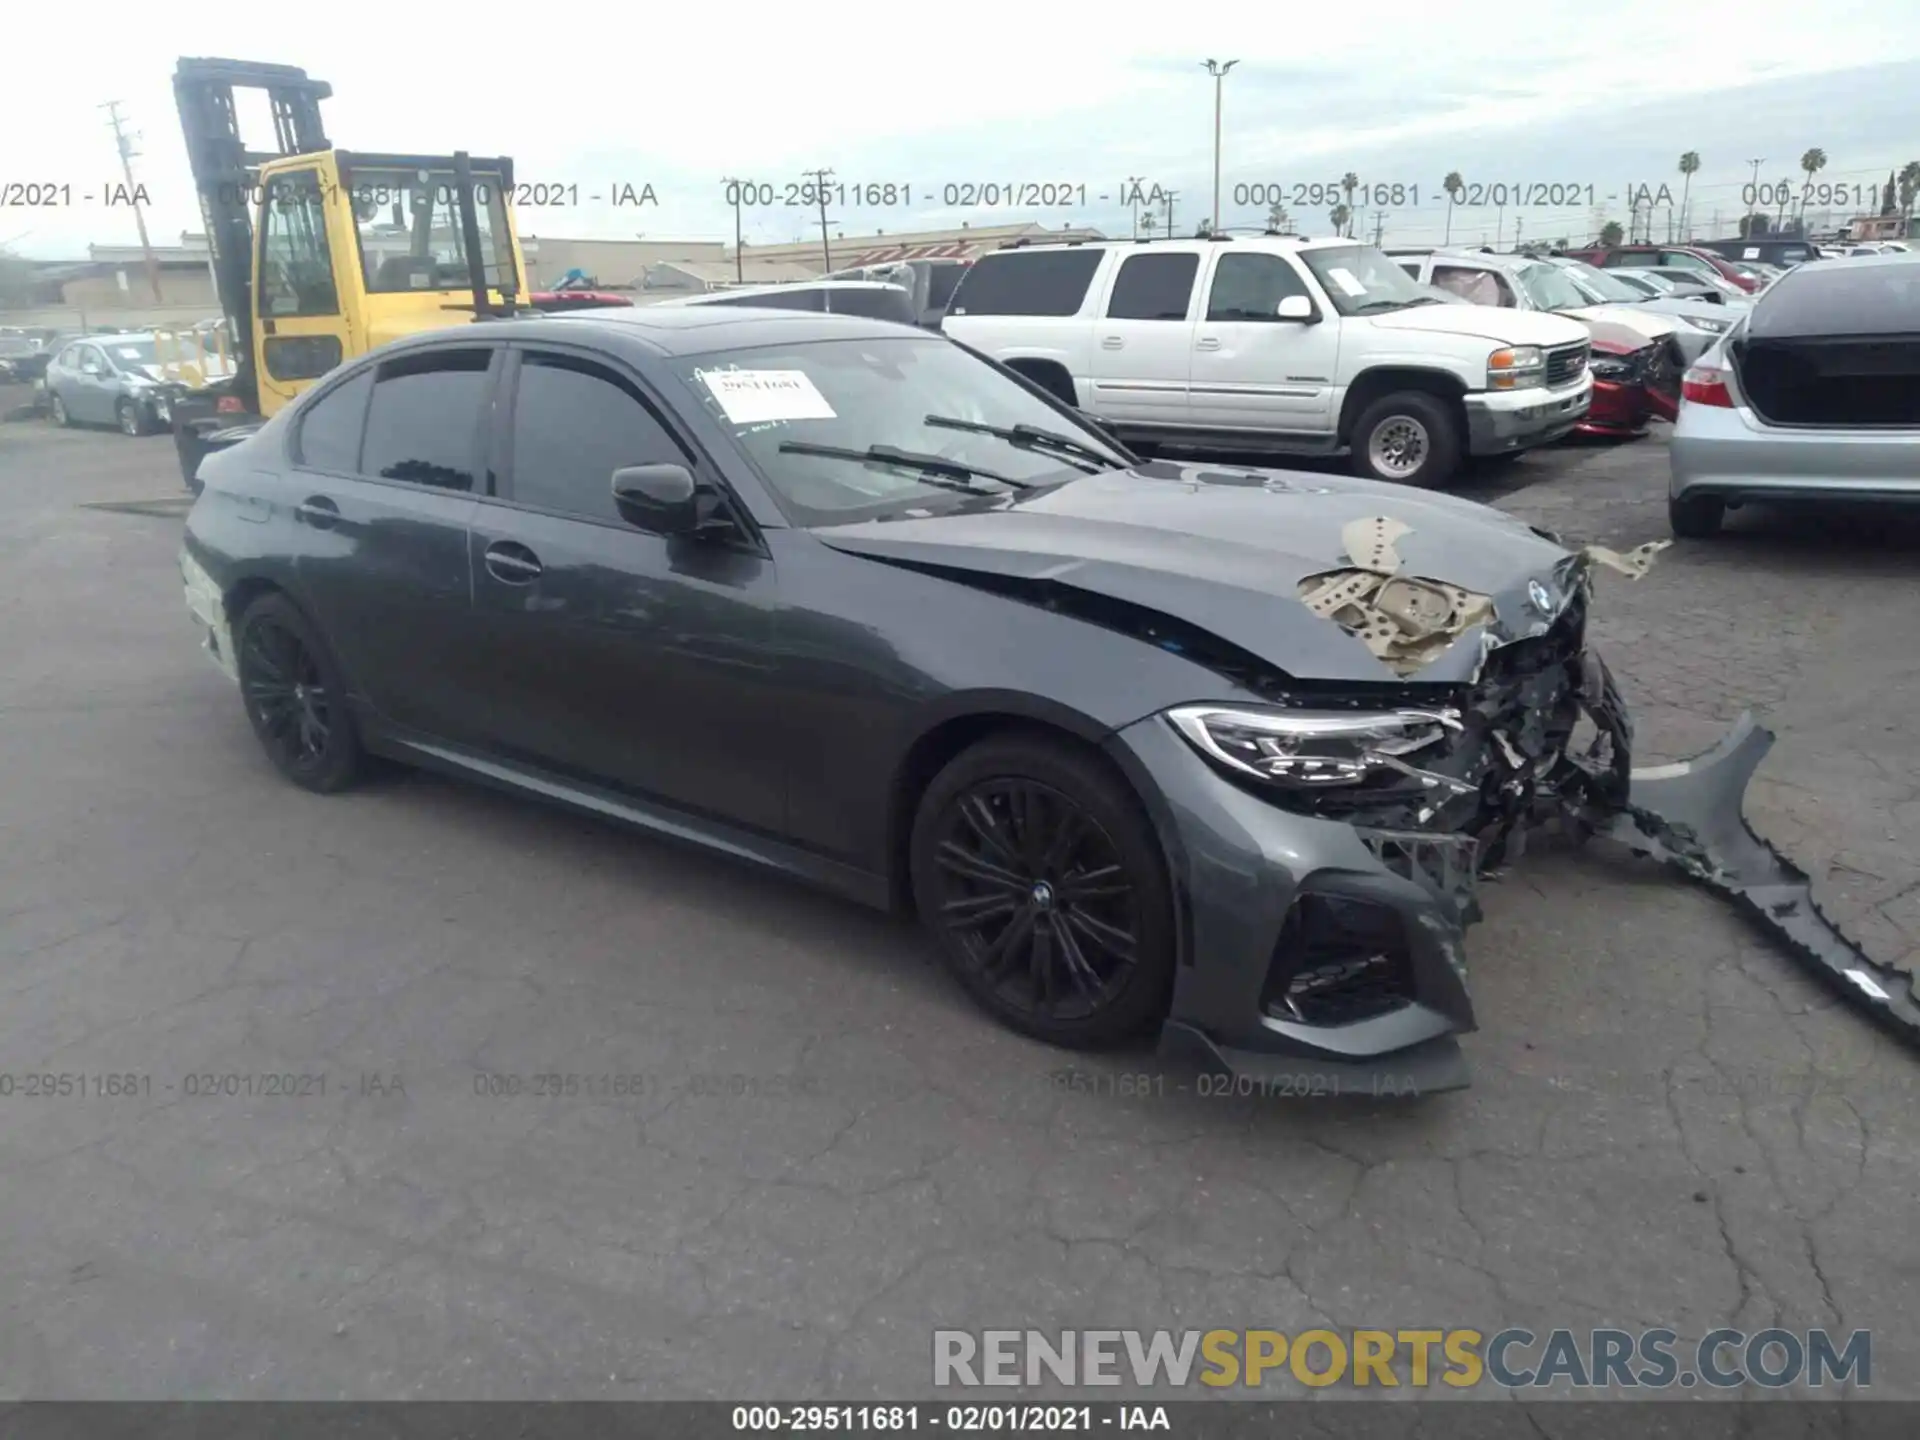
(1043, 886)
(1409, 438)
(296, 698)
(60, 415)
(127, 415)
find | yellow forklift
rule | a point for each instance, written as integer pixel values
(319, 254)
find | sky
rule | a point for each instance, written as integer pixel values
(1578, 106)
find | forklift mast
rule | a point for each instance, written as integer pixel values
(226, 174)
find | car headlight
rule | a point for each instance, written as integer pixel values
(1311, 749)
(1614, 367)
(1712, 327)
(1515, 368)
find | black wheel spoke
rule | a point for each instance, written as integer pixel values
(1040, 963)
(1085, 978)
(991, 833)
(957, 861)
(1108, 882)
(284, 689)
(970, 912)
(1110, 938)
(1009, 945)
(1069, 826)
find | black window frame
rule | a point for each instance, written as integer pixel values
(1146, 257)
(483, 449)
(269, 206)
(744, 529)
(1091, 257)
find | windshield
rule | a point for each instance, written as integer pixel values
(1600, 287)
(1548, 287)
(411, 236)
(855, 394)
(1360, 279)
(127, 352)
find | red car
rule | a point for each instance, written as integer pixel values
(1682, 255)
(1633, 380)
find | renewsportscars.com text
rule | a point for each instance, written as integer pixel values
(1595, 1359)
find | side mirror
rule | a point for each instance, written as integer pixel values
(1296, 308)
(657, 498)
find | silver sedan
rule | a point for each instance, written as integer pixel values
(1813, 396)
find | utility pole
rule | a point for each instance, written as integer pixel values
(1172, 195)
(124, 144)
(1219, 72)
(739, 262)
(1379, 225)
(1517, 221)
(1716, 220)
(820, 178)
(1753, 190)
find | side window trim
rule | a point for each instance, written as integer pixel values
(296, 439)
(705, 471)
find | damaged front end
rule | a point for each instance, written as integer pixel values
(1536, 735)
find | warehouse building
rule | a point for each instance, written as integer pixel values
(967, 242)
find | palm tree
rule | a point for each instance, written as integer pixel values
(1689, 167)
(1349, 182)
(1277, 218)
(1813, 162)
(1339, 215)
(1611, 234)
(1786, 198)
(1909, 190)
(1454, 185)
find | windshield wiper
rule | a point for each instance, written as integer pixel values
(1388, 304)
(1029, 437)
(934, 469)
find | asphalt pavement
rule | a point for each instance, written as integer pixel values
(301, 1157)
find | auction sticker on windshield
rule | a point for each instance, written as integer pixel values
(1346, 281)
(752, 397)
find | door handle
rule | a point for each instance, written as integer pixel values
(512, 563)
(318, 511)
(1207, 342)
(1112, 342)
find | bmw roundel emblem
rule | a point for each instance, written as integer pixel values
(1542, 599)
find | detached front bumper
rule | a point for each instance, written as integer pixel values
(1502, 421)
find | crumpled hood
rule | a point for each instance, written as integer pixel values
(1227, 549)
(1489, 322)
(1640, 321)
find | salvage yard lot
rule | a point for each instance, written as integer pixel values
(830, 1152)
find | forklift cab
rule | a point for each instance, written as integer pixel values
(353, 250)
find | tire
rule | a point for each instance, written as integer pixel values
(1014, 923)
(1417, 420)
(127, 416)
(60, 415)
(1695, 517)
(295, 697)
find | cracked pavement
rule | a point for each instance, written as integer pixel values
(1669, 1123)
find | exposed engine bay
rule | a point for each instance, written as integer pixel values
(1541, 737)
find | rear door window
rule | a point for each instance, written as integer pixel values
(1043, 282)
(1154, 287)
(330, 430)
(424, 421)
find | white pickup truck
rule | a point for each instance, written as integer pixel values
(1304, 347)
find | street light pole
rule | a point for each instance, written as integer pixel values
(1219, 72)
(739, 262)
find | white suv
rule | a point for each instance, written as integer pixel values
(1308, 347)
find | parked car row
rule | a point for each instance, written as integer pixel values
(1276, 344)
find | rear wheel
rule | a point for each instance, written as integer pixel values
(60, 415)
(296, 698)
(1043, 886)
(1409, 438)
(1695, 517)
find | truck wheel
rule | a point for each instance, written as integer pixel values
(1695, 517)
(1409, 438)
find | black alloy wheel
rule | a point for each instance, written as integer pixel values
(1044, 888)
(294, 697)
